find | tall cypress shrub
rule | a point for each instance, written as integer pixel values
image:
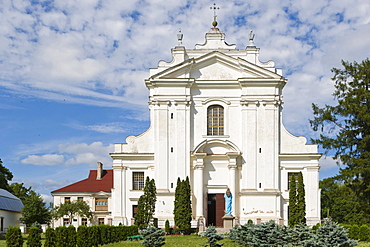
(50, 238)
(182, 205)
(146, 204)
(71, 236)
(301, 201)
(82, 237)
(14, 237)
(293, 210)
(34, 237)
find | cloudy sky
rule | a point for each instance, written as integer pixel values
(72, 72)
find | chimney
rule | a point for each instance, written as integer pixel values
(99, 171)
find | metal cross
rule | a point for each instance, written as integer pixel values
(214, 11)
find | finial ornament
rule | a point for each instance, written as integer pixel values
(179, 38)
(214, 23)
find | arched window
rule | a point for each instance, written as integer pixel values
(215, 120)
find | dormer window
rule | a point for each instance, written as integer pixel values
(215, 120)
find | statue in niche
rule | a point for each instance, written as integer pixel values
(228, 202)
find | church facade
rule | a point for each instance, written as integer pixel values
(216, 117)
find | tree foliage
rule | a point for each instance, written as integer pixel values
(34, 210)
(297, 202)
(20, 191)
(340, 203)
(153, 237)
(5, 176)
(14, 237)
(213, 237)
(293, 209)
(72, 209)
(34, 237)
(345, 127)
(182, 205)
(146, 204)
(301, 200)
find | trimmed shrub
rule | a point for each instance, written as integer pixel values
(34, 237)
(94, 235)
(50, 237)
(364, 233)
(167, 228)
(14, 237)
(82, 237)
(71, 236)
(105, 234)
(61, 236)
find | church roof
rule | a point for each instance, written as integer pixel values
(10, 202)
(91, 184)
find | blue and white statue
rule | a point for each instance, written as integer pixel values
(228, 202)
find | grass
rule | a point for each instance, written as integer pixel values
(177, 240)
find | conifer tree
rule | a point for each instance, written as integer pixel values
(293, 210)
(301, 201)
(146, 204)
(182, 207)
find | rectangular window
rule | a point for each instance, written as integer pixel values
(134, 210)
(101, 204)
(65, 221)
(67, 199)
(101, 221)
(138, 180)
(80, 198)
(84, 221)
(290, 176)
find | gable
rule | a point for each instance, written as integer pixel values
(215, 66)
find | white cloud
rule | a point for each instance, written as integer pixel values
(103, 128)
(44, 160)
(327, 163)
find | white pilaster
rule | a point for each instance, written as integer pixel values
(199, 184)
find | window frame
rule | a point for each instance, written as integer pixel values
(138, 182)
(101, 204)
(290, 174)
(215, 120)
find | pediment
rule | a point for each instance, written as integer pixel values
(215, 66)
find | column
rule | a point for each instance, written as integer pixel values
(199, 184)
(232, 179)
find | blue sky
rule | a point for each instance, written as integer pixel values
(72, 72)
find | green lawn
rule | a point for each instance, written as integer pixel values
(191, 241)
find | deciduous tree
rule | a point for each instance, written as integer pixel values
(72, 209)
(5, 176)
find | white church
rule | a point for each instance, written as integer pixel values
(216, 117)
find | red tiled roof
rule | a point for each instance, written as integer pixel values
(91, 184)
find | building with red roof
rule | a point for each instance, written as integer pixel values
(95, 190)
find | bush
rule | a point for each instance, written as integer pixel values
(34, 237)
(94, 235)
(82, 237)
(61, 236)
(167, 228)
(331, 234)
(50, 237)
(212, 236)
(153, 237)
(71, 236)
(364, 233)
(14, 237)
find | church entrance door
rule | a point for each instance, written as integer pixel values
(215, 209)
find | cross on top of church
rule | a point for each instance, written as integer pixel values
(214, 23)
